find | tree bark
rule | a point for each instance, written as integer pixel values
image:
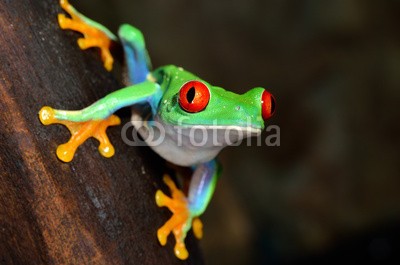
(92, 210)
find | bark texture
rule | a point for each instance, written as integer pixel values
(90, 211)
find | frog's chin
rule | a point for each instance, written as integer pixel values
(189, 145)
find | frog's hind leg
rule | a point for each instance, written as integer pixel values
(95, 34)
(186, 210)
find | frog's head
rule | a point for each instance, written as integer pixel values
(189, 101)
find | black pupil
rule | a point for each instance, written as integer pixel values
(190, 94)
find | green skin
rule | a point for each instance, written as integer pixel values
(227, 114)
(236, 110)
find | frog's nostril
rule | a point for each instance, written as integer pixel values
(267, 105)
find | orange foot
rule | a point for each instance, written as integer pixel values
(80, 131)
(180, 222)
(95, 35)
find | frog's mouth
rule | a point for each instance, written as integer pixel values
(192, 136)
(216, 135)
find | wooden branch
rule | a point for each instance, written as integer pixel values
(90, 211)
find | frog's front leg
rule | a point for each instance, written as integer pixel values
(95, 34)
(186, 210)
(136, 55)
(94, 120)
(80, 132)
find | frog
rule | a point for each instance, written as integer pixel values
(194, 119)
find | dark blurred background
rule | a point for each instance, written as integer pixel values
(329, 193)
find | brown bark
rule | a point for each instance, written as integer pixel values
(90, 211)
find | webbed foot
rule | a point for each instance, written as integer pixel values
(95, 35)
(80, 132)
(180, 222)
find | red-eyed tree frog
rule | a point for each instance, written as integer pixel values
(194, 118)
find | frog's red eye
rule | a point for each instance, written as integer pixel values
(194, 96)
(267, 105)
